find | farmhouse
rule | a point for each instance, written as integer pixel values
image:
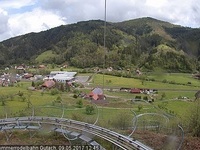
(97, 94)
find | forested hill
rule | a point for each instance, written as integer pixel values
(145, 43)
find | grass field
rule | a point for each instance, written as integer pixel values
(174, 99)
(118, 102)
(112, 81)
(172, 91)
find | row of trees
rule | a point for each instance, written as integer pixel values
(82, 52)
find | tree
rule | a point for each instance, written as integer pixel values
(89, 110)
(140, 106)
(163, 96)
(20, 93)
(3, 99)
(79, 104)
(33, 84)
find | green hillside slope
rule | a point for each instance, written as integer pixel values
(132, 43)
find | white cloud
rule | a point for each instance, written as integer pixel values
(3, 21)
(9, 4)
(4, 28)
(34, 21)
(156, 3)
(74, 10)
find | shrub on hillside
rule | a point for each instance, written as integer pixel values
(54, 91)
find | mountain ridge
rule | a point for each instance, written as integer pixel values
(129, 43)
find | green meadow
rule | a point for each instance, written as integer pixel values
(176, 81)
(174, 99)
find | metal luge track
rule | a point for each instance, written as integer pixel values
(74, 129)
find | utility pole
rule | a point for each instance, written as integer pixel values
(104, 45)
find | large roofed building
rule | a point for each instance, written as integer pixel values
(72, 74)
(61, 76)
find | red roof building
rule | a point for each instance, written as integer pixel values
(96, 94)
(135, 91)
(48, 84)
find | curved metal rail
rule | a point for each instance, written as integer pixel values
(60, 124)
(153, 114)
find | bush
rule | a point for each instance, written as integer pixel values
(140, 106)
(37, 84)
(79, 104)
(179, 97)
(89, 110)
(138, 97)
(20, 93)
(54, 92)
(172, 82)
(58, 99)
(76, 91)
(33, 84)
(153, 79)
(163, 95)
(164, 81)
(145, 98)
(75, 96)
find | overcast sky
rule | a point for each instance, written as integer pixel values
(19, 17)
